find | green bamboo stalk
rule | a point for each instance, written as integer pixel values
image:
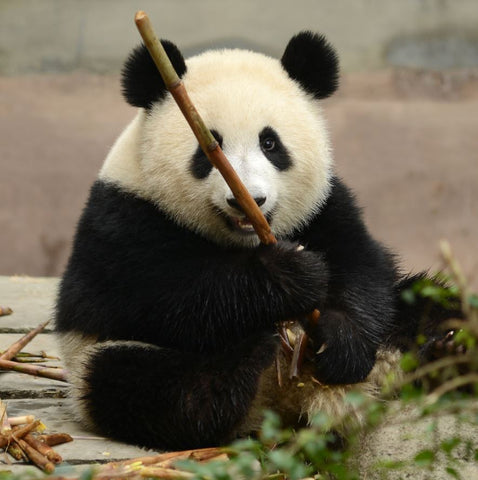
(38, 371)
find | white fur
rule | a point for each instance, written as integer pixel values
(298, 400)
(77, 351)
(237, 93)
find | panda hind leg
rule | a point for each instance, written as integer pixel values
(166, 399)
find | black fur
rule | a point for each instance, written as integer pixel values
(359, 309)
(200, 166)
(310, 60)
(141, 81)
(176, 399)
(278, 154)
(208, 314)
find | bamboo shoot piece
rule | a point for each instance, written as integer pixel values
(5, 311)
(18, 345)
(36, 370)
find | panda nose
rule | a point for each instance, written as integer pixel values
(235, 204)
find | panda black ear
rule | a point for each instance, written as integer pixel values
(142, 83)
(310, 60)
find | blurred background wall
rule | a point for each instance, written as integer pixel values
(404, 122)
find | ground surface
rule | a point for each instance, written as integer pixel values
(406, 141)
(32, 302)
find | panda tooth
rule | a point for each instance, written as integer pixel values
(244, 224)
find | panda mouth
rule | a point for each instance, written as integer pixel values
(242, 225)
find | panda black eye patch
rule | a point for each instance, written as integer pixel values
(273, 149)
(200, 165)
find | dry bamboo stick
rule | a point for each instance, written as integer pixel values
(53, 373)
(164, 473)
(19, 344)
(162, 457)
(55, 438)
(5, 311)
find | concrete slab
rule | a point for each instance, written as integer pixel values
(86, 448)
(18, 385)
(31, 299)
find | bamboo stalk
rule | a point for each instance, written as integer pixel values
(164, 473)
(162, 457)
(53, 373)
(19, 344)
(55, 438)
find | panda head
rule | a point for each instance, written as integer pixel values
(266, 116)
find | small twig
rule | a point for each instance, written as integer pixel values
(450, 385)
(300, 346)
(5, 426)
(53, 373)
(200, 453)
(19, 344)
(164, 473)
(297, 358)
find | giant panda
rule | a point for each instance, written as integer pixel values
(169, 307)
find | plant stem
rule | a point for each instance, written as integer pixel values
(19, 344)
(53, 373)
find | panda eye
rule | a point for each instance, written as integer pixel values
(273, 149)
(268, 144)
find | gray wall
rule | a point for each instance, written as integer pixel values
(95, 35)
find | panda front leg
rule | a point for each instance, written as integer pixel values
(166, 399)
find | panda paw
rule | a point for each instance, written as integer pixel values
(298, 277)
(445, 346)
(340, 355)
